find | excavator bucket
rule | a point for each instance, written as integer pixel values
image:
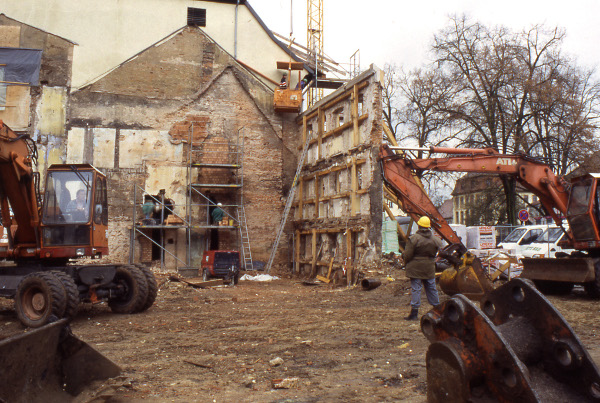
(574, 270)
(49, 364)
(469, 279)
(514, 347)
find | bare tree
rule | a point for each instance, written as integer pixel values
(516, 93)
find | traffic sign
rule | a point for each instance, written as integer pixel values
(523, 215)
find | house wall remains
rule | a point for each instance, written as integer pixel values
(39, 110)
(135, 125)
(338, 207)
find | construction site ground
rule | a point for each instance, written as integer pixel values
(278, 341)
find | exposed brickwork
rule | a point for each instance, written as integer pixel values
(145, 249)
(188, 83)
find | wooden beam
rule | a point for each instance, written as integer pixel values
(338, 99)
(258, 72)
(339, 129)
(297, 251)
(332, 230)
(321, 131)
(349, 263)
(355, 131)
(314, 254)
(389, 135)
(301, 198)
(316, 215)
(290, 66)
(354, 189)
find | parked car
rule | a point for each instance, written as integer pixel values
(225, 264)
(547, 244)
(521, 237)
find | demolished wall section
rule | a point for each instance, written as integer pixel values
(338, 209)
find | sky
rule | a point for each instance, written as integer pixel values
(401, 32)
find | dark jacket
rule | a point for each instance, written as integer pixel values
(419, 254)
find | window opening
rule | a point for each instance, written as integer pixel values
(196, 17)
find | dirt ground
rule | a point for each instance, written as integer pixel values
(316, 342)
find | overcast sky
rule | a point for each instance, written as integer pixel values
(400, 32)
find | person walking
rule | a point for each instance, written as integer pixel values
(419, 259)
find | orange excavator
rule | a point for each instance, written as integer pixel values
(514, 346)
(46, 234)
(578, 200)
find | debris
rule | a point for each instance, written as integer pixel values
(285, 383)
(370, 283)
(275, 362)
(308, 282)
(259, 277)
(201, 284)
(197, 364)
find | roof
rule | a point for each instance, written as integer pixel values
(267, 30)
(41, 30)
(474, 182)
(447, 209)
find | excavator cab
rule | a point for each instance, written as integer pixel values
(74, 213)
(583, 211)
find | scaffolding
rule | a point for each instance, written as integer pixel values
(214, 171)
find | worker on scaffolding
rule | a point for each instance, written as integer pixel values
(419, 260)
(283, 84)
(217, 214)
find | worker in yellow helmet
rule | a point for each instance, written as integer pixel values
(419, 260)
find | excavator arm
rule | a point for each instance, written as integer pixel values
(537, 177)
(17, 188)
(401, 181)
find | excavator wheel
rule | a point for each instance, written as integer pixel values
(553, 287)
(72, 293)
(131, 290)
(40, 296)
(592, 288)
(152, 287)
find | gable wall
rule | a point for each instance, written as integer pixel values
(111, 31)
(136, 130)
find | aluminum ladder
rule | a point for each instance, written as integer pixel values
(288, 205)
(245, 238)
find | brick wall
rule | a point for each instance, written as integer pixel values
(164, 90)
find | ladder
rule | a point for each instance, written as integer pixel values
(288, 205)
(246, 252)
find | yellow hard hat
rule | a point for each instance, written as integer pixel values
(424, 222)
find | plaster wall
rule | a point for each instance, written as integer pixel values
(109, 32)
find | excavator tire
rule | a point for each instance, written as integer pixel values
(72, 293)
(592, 288)
(40, 297)
(133, 290)
(553, 287)
(152, 287)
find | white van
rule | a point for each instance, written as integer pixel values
(520, 238)
(547, 244)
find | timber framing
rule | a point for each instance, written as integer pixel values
(338, 206)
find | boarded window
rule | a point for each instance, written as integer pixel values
(196, 17)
